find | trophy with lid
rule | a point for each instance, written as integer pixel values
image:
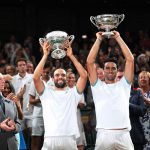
(57, 39)
(107, 22)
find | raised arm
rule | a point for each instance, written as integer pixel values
(129, 66)
(81, 83)
(39, 85)
(92, 57)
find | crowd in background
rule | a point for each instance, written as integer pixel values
(13, 51)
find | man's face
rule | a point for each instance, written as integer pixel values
(60, 78)
(30, 68)
(22, 67)
(46, 74)
(143, 80)
(10, 70)
(110, 71)
(71, 79)
(100, 73)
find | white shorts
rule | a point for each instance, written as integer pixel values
(81, 140)
(113, 140)
(26, 123)
(59, 143)
(37, 127)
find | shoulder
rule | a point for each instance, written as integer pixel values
(9, 103)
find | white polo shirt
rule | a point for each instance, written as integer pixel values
(60, 111)
(18, 82)
(112, 104)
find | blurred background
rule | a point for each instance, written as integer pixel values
(36, 18)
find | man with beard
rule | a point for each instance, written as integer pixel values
(60, 103)
(111, 98)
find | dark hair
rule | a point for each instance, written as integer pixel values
(52, 73)
(47, 65)
(20, 59)
(11, 86)
(111, 60)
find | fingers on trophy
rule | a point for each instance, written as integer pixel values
(107, 22)
(58, 40)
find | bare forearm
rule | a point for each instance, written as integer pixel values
(38, 70)
(94, 50)
(35, 101)
(125, 50)
(20, 112)
(129, 66)
(82, 72)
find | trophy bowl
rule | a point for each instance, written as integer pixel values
(57, 39)
(107, 22)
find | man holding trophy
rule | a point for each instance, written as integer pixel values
(59, 102)
(111, 98)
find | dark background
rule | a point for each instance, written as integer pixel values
(37, 17)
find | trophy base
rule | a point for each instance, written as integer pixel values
(107, 34)
(58, 54)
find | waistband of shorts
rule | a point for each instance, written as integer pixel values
(113, 130)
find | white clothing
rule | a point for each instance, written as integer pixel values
(37, 109)
(37, 126)
(26, 122)
(18, 139)
(80, 140)
(112, 104)
(60, 111)
(59, 143)
(18, 82)
(113, 140)
(37, 116)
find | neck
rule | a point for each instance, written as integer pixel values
(109, 82)
(45, 79)
(60, 89)
(71, 86)
(22, 74)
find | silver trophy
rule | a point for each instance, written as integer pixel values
(57, 39)
(107, 22)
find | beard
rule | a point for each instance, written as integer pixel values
(60, 85)
(112, 78)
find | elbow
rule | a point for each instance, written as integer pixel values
(35, 78)
(131, 59)
(89, 61)
(21, 116)
(85, 75)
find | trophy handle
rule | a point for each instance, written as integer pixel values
(92, 19)
(121, 17)
(41, 41)
(71, 38)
